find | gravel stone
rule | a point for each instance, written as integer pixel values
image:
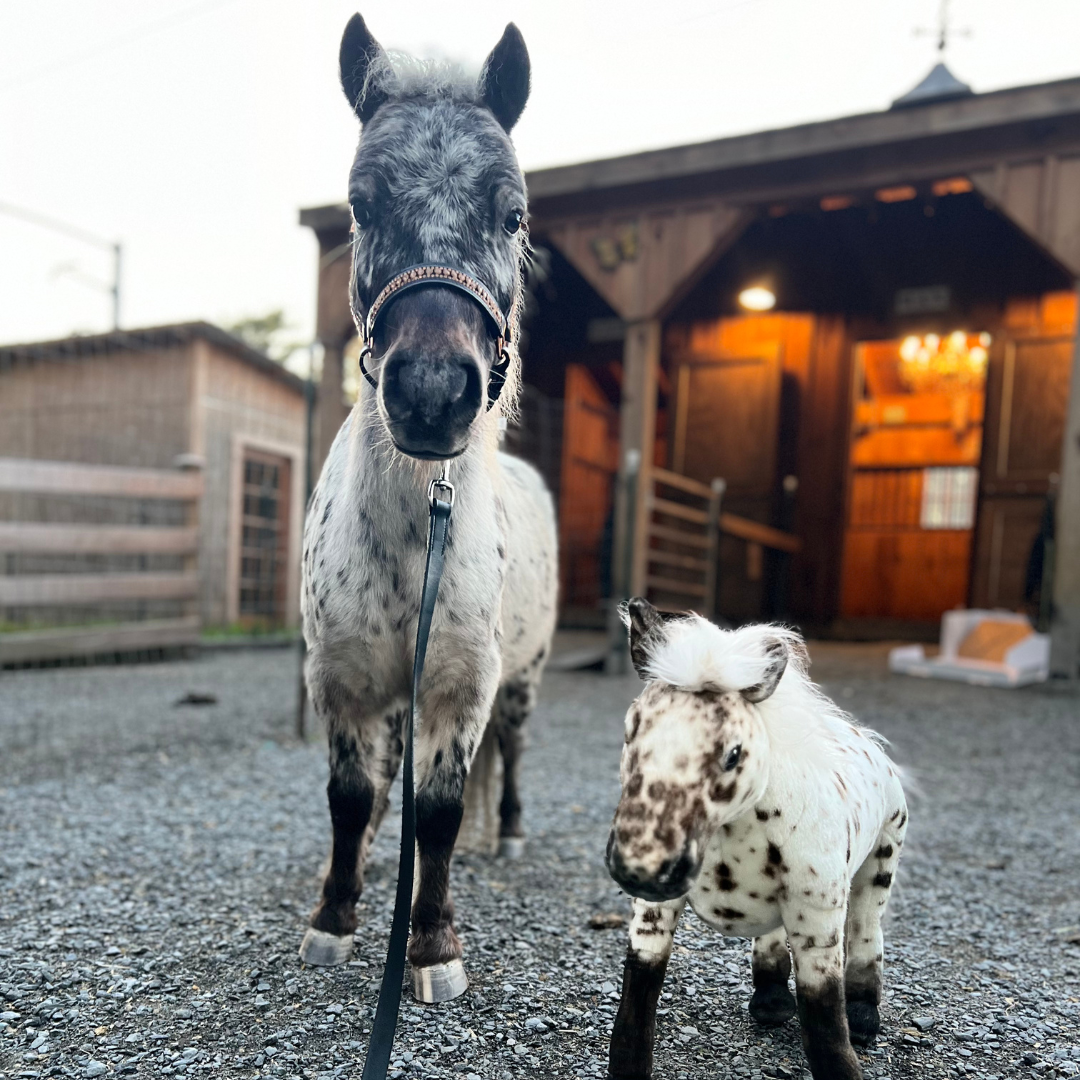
(157, 866)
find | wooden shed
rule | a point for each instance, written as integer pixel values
(866, 328)
(126, 403)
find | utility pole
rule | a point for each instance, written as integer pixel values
(76, 233)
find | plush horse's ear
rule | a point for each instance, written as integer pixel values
(646, 628)
(776, 654)
(359, 52)
(504, 80)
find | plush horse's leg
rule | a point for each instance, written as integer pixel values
(772, 1002)
(364, 758)
(445, 750)
(514, 703)
(652, 932)
(817, 946)
(870, 890)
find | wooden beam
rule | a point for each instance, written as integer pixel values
(63, 642)
(683, 562)
(28, 538)
(1065, 626)
(680, 536)
(681, 588)
(683, 483)
(756, 533)
(72, 478)
(43, 590)
(674, 509)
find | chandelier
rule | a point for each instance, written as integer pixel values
(956, 361)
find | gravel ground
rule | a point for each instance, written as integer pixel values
(157, 863)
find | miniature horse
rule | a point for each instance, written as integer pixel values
(746, 792)
(435, 185)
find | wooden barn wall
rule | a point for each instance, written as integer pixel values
(127, 408)
(237, 407)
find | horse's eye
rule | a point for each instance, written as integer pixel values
(732, 758)
(361, 213)
(513, 221)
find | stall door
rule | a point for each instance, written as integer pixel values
(264, 554)
(1028, 393)
(586, 493)
(726, 426)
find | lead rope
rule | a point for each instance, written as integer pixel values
(386, 1012)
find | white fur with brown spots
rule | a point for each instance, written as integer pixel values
(751, 796)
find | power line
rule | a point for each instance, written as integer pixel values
(135, 34)
(44, 221)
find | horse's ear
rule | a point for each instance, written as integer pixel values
(776, 661)
(359, 53)
(645, 626)
(504, 80)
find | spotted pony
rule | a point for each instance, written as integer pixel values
(435, 181)
(749, 794)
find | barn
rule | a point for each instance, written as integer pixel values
(820, 373)
(151, 484)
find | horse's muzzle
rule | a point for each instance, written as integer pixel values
(672, 879)
(431, 403)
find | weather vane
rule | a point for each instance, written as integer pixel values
(944, 31)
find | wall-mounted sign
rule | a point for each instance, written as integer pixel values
(618, 248)
(925, 300)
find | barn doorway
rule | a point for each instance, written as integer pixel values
(913, 480)
(264, 539)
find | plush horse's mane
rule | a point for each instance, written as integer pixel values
(404, 77)
(695, 655)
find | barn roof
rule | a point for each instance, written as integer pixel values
(147, 339)
(957, 133)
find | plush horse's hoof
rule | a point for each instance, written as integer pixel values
(772, 1005)
(511, 847)
(439, 982)
(325, 950)
(863, 1022)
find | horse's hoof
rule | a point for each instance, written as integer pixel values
(772, 1005)
(439, 982)
(325, 950)
(863, 1022)
(511, 847)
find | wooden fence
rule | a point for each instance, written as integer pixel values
(44, 590)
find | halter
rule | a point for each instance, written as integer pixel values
(433, 273)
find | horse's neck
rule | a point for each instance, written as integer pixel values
(386, 482)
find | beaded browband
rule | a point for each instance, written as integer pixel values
(435, 274)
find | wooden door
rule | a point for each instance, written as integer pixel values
(264, 543)
(586, 491)
(1027, 398)
(726, 426)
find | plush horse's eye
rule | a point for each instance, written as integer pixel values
(513, 221)
(732, 759)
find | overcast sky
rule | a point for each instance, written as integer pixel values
(194, 131)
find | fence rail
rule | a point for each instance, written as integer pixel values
(76, 589)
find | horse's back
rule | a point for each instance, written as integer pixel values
(531, 590)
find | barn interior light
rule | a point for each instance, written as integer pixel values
(757, 298)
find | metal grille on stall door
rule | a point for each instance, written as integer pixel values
(263, 554)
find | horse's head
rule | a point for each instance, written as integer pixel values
(696, 751)
(435, 182)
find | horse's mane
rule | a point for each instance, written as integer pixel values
(695, 655)
(402, 77)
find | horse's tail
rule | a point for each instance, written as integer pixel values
(479, 831)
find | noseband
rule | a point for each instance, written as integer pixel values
(434, 274)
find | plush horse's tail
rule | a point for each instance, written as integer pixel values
(479, 831)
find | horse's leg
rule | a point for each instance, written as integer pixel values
(364, 756)
(652, 932)
(446, 743)
(817, 946)
(870, 890)
(772, 1002)
(513, 704)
